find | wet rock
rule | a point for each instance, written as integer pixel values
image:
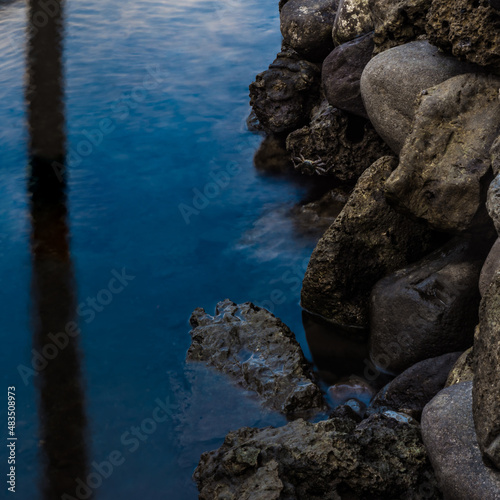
(392, 81)
(490, 267)
(450, 440)
(335, 144)
(463, 369)
(444, 166)
(353, 19)
(398, 22)
(367, 241)
(410, 391)
(341, 73)
(353, 388)
(282, 96)
(429, 308)
(469, 29)
(259, 352)
(383, 457)
(306, 27)
(272, 156)
(487, 376)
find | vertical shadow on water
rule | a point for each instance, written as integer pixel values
(61, 408)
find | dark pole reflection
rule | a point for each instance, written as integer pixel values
(62, 413)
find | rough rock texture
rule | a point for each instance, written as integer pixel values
(282, 96)
(487, 376)
(463, 369)
(409, 392)
(398, 22)
(382, 458)
(272, 156)
(450, 440)
(468, 28)
(490, 267)
(341, 73)
(306, 26)
(353, 19)
(493, 202)
(429, 308)
(257, 350)
(444, 165)
(367, 241)
(335, 144)
(392, 81)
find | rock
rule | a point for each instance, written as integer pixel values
(306, 26)
(335, 144)
(259, 352)
(493, 202)
(272, 156)
(392, 81)
(341, 73)
(444, 166)
(467, 28)
(282, 96)
(490, 267)
(463, 369)
(486, 402)
(410, 391)
(353, 19)
(429, 308)
(353, 388)
(398, 22)
(383, 457)
(367, 241)
(450, 440)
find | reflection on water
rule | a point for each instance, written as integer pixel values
(61, 409)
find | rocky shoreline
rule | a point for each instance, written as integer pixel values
(395, 105)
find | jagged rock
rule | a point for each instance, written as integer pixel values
(429, 308)
(353, 19)
(272, 156)
(335, 144)
(490, 267)
(487, 376)
(463, 369)
(444, 166)
(367, 241)
(341, 73)
(282, 96)
(450, 440)
(259, 352)
(306, 27)
(470, 29)
(410, 391)
(392, 81)
(398, 22)
(383, 457)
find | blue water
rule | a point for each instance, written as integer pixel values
(170, 80)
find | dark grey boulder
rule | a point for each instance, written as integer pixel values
(353, 20)
(490, 267)
(259, 352)
(410, 391)
(450, 440)
(367, 241)
(382, 457)
(429, 308)
(487, 376)
(341, 74)
(283, 96)
(306, 26)
(392, 81)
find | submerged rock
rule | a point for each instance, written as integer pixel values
(429, 308)
(463, 369)
(392, 81)
(487, 376)
(410, 391)
(367, 241)
(306, 27)
(353, 388)
(450, 440)
(341, 73)
(353, 19)
(444, 166)
(272, 156)
(335, 144)
(382, 457)
(259, 352)
(282, 96)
